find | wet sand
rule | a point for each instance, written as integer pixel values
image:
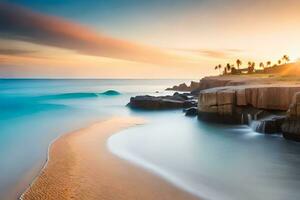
(80, 166)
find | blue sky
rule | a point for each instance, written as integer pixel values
(204, 33)
(129, 18)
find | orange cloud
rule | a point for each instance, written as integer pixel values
(22, 24)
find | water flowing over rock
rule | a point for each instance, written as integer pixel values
(268, 125)
(248, 105)
(265, 103)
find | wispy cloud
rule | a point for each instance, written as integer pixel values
(15, 52)
(19, 23)
(212, 53)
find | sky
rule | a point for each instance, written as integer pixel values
(142, 39)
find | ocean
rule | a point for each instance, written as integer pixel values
(209, 160)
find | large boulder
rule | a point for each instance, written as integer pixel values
(291, 126)
(175, 101)
(268, 125)
(154, 103)
(291, 129)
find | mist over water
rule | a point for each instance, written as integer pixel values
(209, 160)
(213, 161)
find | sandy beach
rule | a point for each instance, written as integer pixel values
(81, 167)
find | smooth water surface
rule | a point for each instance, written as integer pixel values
(213, 161)
(209, 160)
(35, 112)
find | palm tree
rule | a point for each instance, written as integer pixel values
(249, 64)
(228, 66)
(238, 63)
(285, 58)
(279, 62)
(262, 65)
(268, 63)
(219, 67)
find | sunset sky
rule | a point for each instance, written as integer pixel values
(142, 39)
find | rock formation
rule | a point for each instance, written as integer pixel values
(242, 104)
(291, 126)
(175, 101)
(261, 97)
(184, 87)
(266, 103)
(269, 125)
(193, 111)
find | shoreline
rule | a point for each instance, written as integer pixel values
(80, 166)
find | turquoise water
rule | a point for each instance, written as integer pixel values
(209, 160)
(35, 112)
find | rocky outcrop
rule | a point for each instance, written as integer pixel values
(194, 85)
(181, 87)
(184, 87)
(238, 80)
(216, 81)
(209, 82)
(261, 97)
(218, 105)
(175, 101)
(291, 126)
(250, 100)
(253, 106)
(193, 111)
(268, 125)
(213, 82)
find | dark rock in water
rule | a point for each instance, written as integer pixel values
(179, 97)
(193, 111)
(162, 102)
(268, 125)
(291, 126)
(291, 129)
(189, 103)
